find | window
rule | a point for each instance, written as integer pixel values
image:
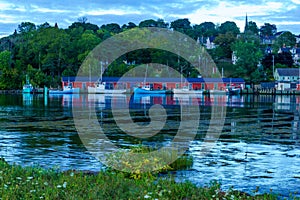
(216, 86)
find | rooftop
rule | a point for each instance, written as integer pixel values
(152, 79)
(288, 71)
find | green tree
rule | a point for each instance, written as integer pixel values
(252, 27)
(9, 77)
(248, 56)
(223, 42)
(103, 34)
(285, 39)
(183, 26)
(112, 28)
(268, 29)
(86, 44)
(285, 58)
(49, 50)
(205, 29)
(249, 36)
(227, 27)
(84, 26)
(5, 60)
(116, 69)
(152, 23)
(43, 26)
(162, 24)
(26, 27)
(130, 25)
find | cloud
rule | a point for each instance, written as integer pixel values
(119, 11)
(38, 9)
(99, 12)
(296, 1)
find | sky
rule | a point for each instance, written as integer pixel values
(285, 14)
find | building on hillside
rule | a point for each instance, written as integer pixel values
(296, 54)
(208, 42)
(295, 51)
(234, 58)
(268, 40)
(287, 78)
(268, 50)
(297, 39)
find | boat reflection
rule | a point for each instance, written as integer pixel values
(107, 100)
(27, 99)
(67, 100)
(162, 99)
(190, 99)
(125, 100)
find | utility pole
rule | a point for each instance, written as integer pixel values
(273, 67)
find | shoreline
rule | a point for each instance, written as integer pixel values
(270, 92)
(33, 182)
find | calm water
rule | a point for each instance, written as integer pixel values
(259, 144)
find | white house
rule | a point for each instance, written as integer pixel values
(296, 54)
(209, 43)
(298, 39)
(287, 74)
(286, 77)
(234, 58)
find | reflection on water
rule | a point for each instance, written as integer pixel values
(259, 145)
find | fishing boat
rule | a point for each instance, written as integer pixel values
(146, 89)
(217, 92)
(186, 90)
(99, 88)
(233, 91)
(27, 87)
(69, 89)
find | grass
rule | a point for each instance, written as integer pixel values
(36, 183)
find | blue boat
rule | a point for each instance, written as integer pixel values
(233, 91)
(148, 90)
(27, 87)
(66, 90)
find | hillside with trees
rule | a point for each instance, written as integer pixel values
(46, 53)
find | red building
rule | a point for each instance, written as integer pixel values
(156, 83)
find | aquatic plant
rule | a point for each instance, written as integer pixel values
(140, 161)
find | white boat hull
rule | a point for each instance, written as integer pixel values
(217, 92)
(66, 90)
(187, 91)
(101, 90)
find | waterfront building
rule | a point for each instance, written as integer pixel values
(156, 83)
(287, 78)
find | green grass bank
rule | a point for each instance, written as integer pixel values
(18, 182)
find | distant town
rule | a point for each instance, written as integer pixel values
(46, 53)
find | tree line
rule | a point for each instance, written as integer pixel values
(45, 53)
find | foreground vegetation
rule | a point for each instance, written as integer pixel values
(36, 183)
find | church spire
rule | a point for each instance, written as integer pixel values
(246, 23)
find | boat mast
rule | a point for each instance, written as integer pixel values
(145, 75)
(90, 73)
(178, 62)
(101, 71)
